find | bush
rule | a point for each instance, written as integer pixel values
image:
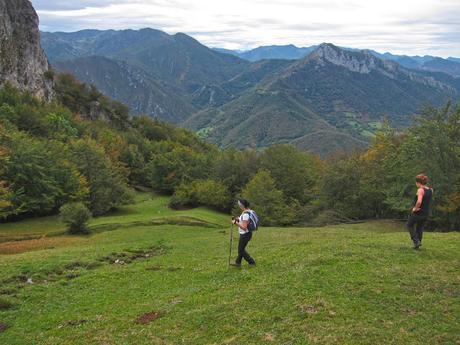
(75, 215)
(202, 192)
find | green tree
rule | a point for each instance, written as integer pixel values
(348, 191)
(39, 175)
(267, 200)
(5, 195)
(108, 186)
(432, 147)
(295, 172)
(235, 168)
(169, 168)
(202, 192)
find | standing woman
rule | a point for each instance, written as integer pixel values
(245, 234)
(420, 211)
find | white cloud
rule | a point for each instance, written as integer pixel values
(400, 26)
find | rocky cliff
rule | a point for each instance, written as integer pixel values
(22, 60)
(365, 62)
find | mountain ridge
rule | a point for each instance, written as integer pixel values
(331, 98)
(293, 52)
(297, 103)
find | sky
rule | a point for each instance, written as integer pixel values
(411, 27)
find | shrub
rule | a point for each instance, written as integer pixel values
(202, 192)
(75, 215)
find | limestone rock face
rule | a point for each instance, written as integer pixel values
(22, 60)
(364, 62)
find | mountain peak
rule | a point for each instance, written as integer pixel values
(355, 61)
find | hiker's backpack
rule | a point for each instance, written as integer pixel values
(253, 223)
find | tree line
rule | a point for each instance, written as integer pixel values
(84, 148)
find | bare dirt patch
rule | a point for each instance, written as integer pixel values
(173, 269)
(3, 327)
(269, 337)
(17, 247)
(74, 323)
(5, 304)
(314, 307)
(146, 318)
(154, 268)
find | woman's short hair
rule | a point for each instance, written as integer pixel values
(421, 178)
(243, 202)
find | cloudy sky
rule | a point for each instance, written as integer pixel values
(414, 27)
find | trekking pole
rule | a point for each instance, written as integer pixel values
(231, 244)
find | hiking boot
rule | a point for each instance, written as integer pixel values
(253, 263)
(416, 245)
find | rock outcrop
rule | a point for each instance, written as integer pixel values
(22, 60)
(364, 62)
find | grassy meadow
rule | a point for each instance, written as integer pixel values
(151, 275)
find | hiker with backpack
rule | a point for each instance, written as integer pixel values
(247, 223)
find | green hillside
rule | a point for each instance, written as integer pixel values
(115, 229)
(261, 117)
(332, 100)
(348, 284)
(132, 86)
(175, 59)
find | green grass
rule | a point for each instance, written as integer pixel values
(146, 207)
(348, 284)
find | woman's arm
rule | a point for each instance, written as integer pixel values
(420, 194)
(243, 224)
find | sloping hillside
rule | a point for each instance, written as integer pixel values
(152, 275)
(332, 98)
(132, 86)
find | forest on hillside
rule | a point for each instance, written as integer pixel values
(85, 148)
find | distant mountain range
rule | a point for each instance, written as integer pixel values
(288, 52)
(450, 65)
(322, 98)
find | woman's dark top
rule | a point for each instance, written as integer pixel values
(425, 206)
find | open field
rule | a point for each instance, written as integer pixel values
(166, 281)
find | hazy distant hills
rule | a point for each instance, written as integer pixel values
(323, 99)
(288, 52)
(177, 59)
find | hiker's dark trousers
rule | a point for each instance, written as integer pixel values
(242, 253)
(415, 225)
